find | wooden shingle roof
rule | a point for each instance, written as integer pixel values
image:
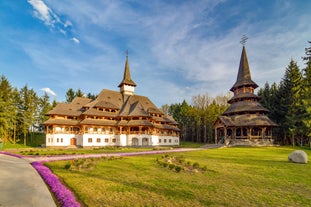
(245, 106)
(62, 122)
(95, 112)
(127, 80)
(134, 123)
(243, 96)
(98, 122)
(70, 109)
(244, 75)
(246, 120)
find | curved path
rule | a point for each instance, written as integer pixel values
(21, 185)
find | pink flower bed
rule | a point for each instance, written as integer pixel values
(11, 154)
(63, 195)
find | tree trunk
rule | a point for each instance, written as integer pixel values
(25, 137)
(205, 133)
(293, 140)
(14, 134)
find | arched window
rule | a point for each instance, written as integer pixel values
(135, 142)
(238, 132)
(244, 131)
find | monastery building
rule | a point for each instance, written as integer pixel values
(114, 118)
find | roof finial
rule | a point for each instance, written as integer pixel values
(243, 40)
(127, 53)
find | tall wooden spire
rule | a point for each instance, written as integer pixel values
(127, 85)
(244, 75)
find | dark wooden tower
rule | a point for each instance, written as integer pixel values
(245, 121)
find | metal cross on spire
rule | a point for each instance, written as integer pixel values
(243, 40)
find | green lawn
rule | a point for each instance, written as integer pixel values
(239, 176)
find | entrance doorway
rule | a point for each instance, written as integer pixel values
(134, 142)
(73, 141)
(145, 142)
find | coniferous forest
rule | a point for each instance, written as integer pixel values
(22, 111)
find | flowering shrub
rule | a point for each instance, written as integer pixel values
(178, 164)
(63, 195)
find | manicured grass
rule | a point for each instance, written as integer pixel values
(11, 146)
(238, 176)
(33, 140)
(190, 144)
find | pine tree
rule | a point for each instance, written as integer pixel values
(307, 94)
(43, 107)
(79, 93)
(70, 95)
(27, 110)
(5, 108)
(290, 94)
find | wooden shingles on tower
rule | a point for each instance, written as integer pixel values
(245, 119)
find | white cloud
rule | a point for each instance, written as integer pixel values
(49, 91)
(67, 23)
(42, 11)
(50, 18)
(75, 40)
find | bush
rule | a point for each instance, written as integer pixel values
(195, 165)
(204, 168)
(171, 166)
(178, 168)
(67, 166)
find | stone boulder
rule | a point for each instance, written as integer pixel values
(298, 156)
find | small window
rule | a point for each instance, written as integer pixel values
(61, 140)
(114, 140)
(106, 140)
(98, 140)
(89, 140)
(160, 140)
(164, 140)
(170, 141)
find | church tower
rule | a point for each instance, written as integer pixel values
(127, 85)
(245, 121)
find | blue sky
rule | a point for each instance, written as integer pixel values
(177, 49)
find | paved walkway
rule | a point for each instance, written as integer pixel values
(21, 185)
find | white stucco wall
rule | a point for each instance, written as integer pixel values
(58, 139)
(120, 140)
(102, 137)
